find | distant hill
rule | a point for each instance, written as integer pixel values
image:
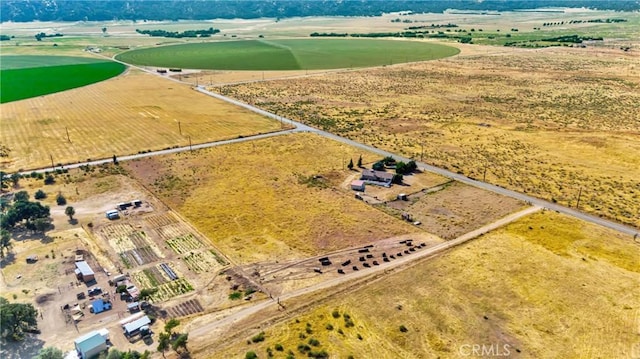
(79, 10)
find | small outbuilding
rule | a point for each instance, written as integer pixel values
(132, 328)
(84, 272)
(91, 344)
(358, 185)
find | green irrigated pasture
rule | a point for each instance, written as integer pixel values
(307, 54)
(19, 84)
(27, 61)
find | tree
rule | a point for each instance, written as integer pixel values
(164, 342)
(22, 196)
(15, 178)
(5, 241)
(378, 166)
(50, 353)
(180, 342)
(146, 293)
(115, 160)
(172, 323)
(49, 180)
(104, 30)
(41, 224)
(40, 194)
(60, 200)
(70, 211)
(350, 165)
(360, 161)
(397, 178)
(16, 318)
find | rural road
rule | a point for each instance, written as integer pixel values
(220, 326)
(458, 177)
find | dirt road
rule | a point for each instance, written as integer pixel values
(218, 327)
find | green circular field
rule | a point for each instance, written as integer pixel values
(30, 76)
(303, 54)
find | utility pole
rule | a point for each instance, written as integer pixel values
(484, 175)
(421, 151)
(190, 148)
(179, 128)
(68, 139)
(578, 202)
(52, 166)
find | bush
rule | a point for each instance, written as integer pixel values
(258, 338)
(403, 329)
(378, 166)
(359, 336)
(235, 295)
(60, 200)
(279, 347)
(335, 314)
(322, 354)
(329, 326)
(49, 180)
(303, 348)
(40, 194)
(251, 355)
(315, 342)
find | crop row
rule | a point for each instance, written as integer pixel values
(184, 243)
(172, 230)
(138, 256)
(201, 261)
(171, 289)
(161, 220)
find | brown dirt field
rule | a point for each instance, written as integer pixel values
(456, 209)
(531, 288)
(545, 122)
(259, 201)
(124, 115)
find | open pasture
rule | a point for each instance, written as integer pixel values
(531, 287)
(132, 113)
(31, 81)
(294, 54)
(553, 123)
(269, 199)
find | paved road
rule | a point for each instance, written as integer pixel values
(458, 177)
(210, 329)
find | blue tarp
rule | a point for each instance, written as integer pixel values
(100, 305)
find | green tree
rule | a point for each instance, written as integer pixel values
(70, 211)
(251, 355)
(41, 224)
(15, 179)
(164, 342)
(378, 166)
(16, 318)
(360, 161)
(40, 194)
(50, 353)
(114, 354)
(146, 293)
(5, 241)
(104, 30)
(22, 196)
(397, 178)
(350, 165)
(180, 342)
(172, 323)
(49, 179)
(60, 200)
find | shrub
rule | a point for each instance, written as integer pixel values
(235, 295)
(315, 342)
(258, 338)
(340, 331)
(322, 354)
(309, 330)
(359, 336)
(329, 326)
(403, 329)
(40, 194)
(60, 200)
(303, 348)
(251, 355)
(335, 314)
(49, 180)
(279, 347)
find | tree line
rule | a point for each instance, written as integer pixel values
(175, 34)
(89, 10)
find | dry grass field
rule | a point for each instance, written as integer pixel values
(545, 122)
(131, 113)
(272, 199)
(546, 286)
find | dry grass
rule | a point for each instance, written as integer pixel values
(557, 120)
(131, 113)
(561, 289)
(259, 200)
